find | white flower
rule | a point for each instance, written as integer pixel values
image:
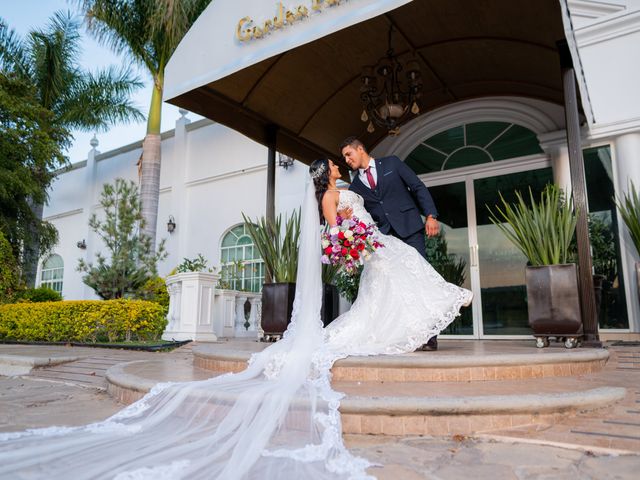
(325, 243)
(334, 230)
(348, 233)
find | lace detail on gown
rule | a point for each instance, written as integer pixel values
(402, 301)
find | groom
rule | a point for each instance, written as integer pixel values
(395, 197)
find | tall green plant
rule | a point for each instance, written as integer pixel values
(278, 246)
(542, 230)
(629, 208)
(132, 260)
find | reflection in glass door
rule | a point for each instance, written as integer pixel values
(501, 264)
(449, 252)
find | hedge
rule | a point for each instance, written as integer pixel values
(82, 321)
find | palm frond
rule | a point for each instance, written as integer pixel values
(13, 52)
(97, 100)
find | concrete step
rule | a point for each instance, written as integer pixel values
(455, 361)
(403, 408)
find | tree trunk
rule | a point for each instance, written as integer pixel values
(31, 250)
(150, 184)
(151, 158)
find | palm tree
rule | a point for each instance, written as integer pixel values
(48, 59)
(149, 31)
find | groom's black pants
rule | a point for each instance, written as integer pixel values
(417, 241)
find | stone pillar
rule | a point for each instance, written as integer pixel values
(191, 317)
(179, 197)
(92, 191)
(627, 169)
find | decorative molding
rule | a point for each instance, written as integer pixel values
(591, 9)
(614, 129)
(608, 29)
(223, 176)
(203, 122)
(489, 109)
(64, 214)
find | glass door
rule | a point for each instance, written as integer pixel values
(501, 266)
(473, 253)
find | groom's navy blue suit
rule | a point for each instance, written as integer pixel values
(397, 201)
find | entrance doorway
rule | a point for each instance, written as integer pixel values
(478, 255)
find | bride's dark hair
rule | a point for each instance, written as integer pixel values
(319, 171)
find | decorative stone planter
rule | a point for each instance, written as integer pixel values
(191, 306)
(248, 310)
(554, 303)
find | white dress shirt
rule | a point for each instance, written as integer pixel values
(374, 172)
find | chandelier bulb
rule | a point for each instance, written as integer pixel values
(364, 117)
(415, 109)
(370, 128)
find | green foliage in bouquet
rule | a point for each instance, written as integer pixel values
(348, 284)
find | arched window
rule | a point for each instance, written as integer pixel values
(473, 144)
(52, 272)
(242, 268)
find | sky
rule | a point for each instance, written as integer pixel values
(24, 15)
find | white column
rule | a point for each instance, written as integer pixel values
(91, 190)
(179, 198)
(627, 169)
(560, 165)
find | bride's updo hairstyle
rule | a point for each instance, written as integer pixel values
(319, 171)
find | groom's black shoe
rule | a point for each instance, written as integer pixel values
(431, 345)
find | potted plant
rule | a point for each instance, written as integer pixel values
(629, 208)
(278, 247)
(543, 232)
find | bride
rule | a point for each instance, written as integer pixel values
(279, 418)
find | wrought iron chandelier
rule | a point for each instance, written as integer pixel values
(389, 98)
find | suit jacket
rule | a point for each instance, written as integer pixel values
(398, 199)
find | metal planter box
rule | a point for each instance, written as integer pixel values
(554, 303)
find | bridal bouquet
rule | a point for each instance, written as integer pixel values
(347, 245)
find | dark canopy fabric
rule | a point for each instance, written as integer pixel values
(466, 49)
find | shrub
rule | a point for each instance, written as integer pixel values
(155, 290)
(9, 272)
(82, 321)
(40, 294)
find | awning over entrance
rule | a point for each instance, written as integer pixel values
(305, 78)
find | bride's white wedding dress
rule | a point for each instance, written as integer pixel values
(279, 418)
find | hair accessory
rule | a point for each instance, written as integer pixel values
(319, 171)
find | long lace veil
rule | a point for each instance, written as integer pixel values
(278, 419)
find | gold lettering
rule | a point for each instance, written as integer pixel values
(316, 5)
(290, 17)
(244, 34)
(278, 21)
(302, 11)
(331, 3)
(268, 26)
(257, 32)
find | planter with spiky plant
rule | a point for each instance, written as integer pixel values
(278, 247)
(543, 230)
(629, 208)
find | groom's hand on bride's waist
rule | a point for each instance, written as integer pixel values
(431, 227)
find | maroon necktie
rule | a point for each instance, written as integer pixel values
(372, 182)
